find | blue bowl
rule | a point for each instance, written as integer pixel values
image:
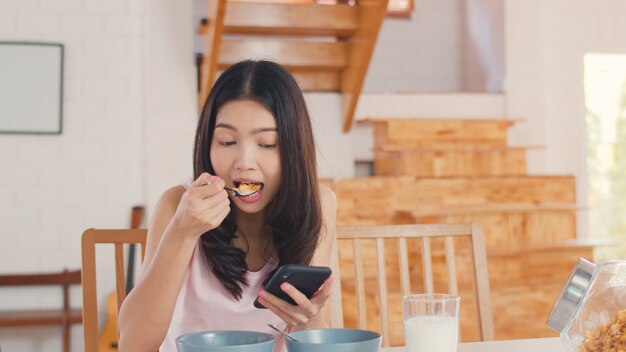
(225, 341)
(334, 340)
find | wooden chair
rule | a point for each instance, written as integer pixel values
(426, 232)
(90, 239)
(65, 316)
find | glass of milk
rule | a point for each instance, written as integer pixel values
(431, 322)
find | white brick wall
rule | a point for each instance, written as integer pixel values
(457, 105)
(334, 148)
(38, 23)
(422, 54)
(62, 6)
(8, 23)
(544, 81)
(54, 187)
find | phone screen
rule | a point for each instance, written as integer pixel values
(307, 279)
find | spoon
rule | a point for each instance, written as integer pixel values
(238, 193)
(235, 191)
(284, 333)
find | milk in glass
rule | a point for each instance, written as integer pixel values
(431, 333)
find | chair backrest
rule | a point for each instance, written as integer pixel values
(119, 238)
(336, 318)
(425, 233)
(91, 238)
(65, 279)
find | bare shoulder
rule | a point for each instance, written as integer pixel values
(161, 216)
(165, 209)
(328, 232)
(327, 197)
(329, 212)
(171, 197)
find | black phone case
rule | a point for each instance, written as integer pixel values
(307, 279)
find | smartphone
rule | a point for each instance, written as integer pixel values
(307, 279)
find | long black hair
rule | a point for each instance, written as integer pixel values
(294, 216)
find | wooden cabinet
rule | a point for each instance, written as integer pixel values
(451, 171)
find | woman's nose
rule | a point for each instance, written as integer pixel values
(246, 159)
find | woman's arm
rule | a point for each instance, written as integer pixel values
(179, 219)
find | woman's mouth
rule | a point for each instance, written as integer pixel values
(248, 191)
(252, 197)
(248, 188)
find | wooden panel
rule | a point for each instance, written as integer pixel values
(362, 197)
(451, 163)
(439, 132)
(309, 55)
(501, 229)
(382, 289)
(290, 19)
(513, 229)
(371, 15)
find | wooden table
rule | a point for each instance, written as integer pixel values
(550, 344)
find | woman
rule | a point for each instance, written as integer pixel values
(209, 252)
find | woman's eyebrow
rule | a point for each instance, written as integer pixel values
(254, 131)
(225, 125)
(264, 129)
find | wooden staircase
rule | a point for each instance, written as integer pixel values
(451, 171)
(326, 47)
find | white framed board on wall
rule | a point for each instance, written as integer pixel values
(31, 87)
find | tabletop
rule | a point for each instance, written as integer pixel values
(549, 344)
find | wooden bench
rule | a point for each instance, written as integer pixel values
(64, 316)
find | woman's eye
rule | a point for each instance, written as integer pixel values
(226, 143)
(267, 146)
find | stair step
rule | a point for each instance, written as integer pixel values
(295, 55)
(353, 28)
(406, 193)
(511, 229)
(244, 17)
(255, 18)
(454, 148)
(447, 162)
(440, 132)
(494, 208)
(511, 210)
(320, 81)
(314, 81)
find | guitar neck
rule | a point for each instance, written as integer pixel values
(137, 215)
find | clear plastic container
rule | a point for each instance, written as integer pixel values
(589, 301)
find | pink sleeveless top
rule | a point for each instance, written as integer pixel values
(204, 304)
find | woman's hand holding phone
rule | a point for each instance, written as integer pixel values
(305, 313)
(202, 207)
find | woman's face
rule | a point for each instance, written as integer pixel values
(245, 149)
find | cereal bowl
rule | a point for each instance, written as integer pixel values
(334, 340)
(225, 341)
